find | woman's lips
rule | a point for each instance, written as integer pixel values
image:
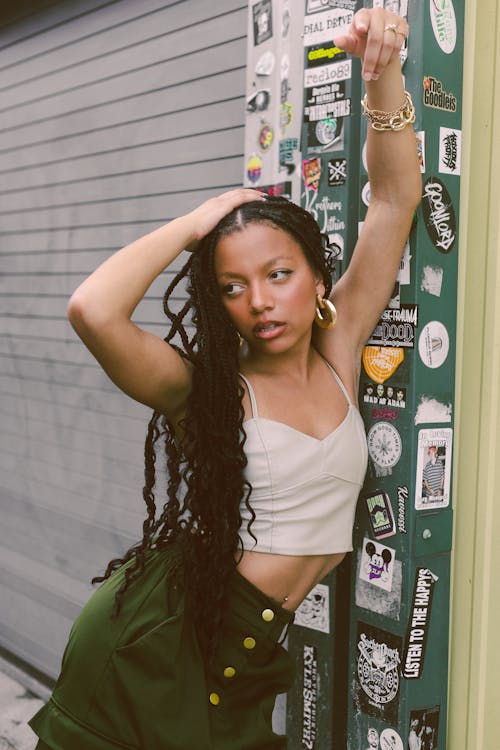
(269, 330)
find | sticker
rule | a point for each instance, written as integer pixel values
(310, 697)
(262, 21)
(403, 276)
(337, 71)
(383, 395)
(390, 740)
(433, 344)
(420, 138)
(436, 96)
(311, 172)
(324, 136)
(384, 446)
(377, 564)
(335, 250)
(372, 739)
(396, 327)
(395, 298)
(314, 612)
(282, 189)
(285, 23)
(381, 362)
(259, 101)
(285, 117)
(380, 514)
(433, 468)
(377, 672)
(365, 194)
(254, 168)
(285, 66)
(375, 598)
(384, 413)
(439, 215)
(322, 27)
(418, 624)
(284, 91)
(432, 280)
(337, 172)
(403, 494)
(326, 131)
(265, 138)
(326, 102)
(313, 6)
(288, 151)
(450, 150)
(265, 64)
(444, 24)
(320, 54)
(423, 732)
(431, 410)
(326, 212)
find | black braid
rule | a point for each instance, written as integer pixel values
(206, 482)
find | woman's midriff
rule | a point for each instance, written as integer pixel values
(287, 578)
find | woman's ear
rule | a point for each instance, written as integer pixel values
(320, 287)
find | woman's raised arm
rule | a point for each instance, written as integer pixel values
(394, 172)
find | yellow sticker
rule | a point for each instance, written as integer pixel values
(380, 362)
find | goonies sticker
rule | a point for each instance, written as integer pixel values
(439, 215)
(396, 327)
(418, 624)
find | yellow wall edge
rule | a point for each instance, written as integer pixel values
(474, 711)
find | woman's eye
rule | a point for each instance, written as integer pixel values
(281, 273)
(231, 289)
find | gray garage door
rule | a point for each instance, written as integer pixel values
(114, 117)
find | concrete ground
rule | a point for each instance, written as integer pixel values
(20, 698)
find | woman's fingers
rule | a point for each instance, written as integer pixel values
(207, 215)
(376, 36)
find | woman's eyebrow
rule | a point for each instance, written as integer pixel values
(267, 264)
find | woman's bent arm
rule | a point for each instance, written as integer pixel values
(140, 363)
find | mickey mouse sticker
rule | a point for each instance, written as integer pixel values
(377, 564)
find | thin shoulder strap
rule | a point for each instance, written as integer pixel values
(337, 378)
(253, 400)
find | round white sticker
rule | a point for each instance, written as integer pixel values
(384, 444)
(390, 740)
(433, 344)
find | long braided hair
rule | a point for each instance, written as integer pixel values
(206, 482)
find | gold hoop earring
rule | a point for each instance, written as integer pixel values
(326, 314)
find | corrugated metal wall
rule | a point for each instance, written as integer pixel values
(114, 117)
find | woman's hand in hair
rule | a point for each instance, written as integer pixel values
(205, 217)
(376, 36)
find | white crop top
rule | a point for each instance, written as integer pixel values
(304, 490)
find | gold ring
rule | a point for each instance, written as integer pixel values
(392, 27)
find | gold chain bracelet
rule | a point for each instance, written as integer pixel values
(396, 120)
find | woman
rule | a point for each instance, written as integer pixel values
(179, 648)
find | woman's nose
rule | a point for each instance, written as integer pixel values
(260, 298)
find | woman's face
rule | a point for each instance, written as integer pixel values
(267, 287)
